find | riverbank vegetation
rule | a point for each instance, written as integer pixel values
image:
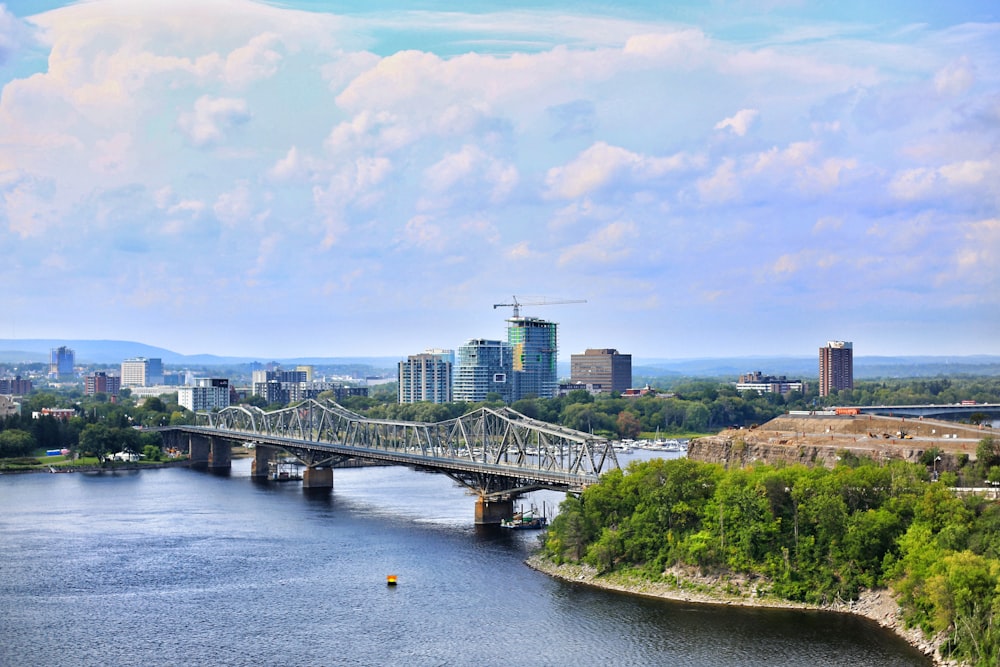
(801, 534)
(97, 429)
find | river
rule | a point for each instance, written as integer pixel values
(178, 567)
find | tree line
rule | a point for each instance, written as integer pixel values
(676, 407)
(805, 534)
(691, 406)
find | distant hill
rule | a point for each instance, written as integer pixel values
(114, 351)
(808, 367)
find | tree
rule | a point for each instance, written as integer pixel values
(987, 455)
(627, 424)
(14, 442)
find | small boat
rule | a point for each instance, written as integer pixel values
(530, 520)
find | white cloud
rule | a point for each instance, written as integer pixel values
(956, 78)
(289, 167)
(606, 245)
(257, 60)
(472, 164)
(234, 207)
(924, 182)
(211, 118)
(722, 186)
(739, 123)
(602, 163)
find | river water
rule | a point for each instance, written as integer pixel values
(177, 567)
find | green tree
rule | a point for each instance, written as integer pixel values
(14, 443)
(627, 425)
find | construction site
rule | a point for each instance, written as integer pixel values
(824, 439)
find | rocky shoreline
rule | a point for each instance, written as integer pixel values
(876, 605)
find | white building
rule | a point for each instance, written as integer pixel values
(141, 372)
(206, 395)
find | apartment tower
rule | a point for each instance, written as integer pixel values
(836, 367)
(426, 377)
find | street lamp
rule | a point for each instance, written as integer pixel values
(936, 459)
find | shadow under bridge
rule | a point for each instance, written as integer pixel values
(497, 454)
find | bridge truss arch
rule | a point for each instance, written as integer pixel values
(497, 453)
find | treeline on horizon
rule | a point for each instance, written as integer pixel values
(811, 535)
(692, 406)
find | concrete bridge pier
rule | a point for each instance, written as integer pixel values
(198, 447)
(492, 512)
(315, 479)
(260, 467)
(209, 453)
(220, 455)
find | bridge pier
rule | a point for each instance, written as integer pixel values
(492, 512)
(317, 478)
(209, 453)
(260, 467)
(220, 455)
(198, 446)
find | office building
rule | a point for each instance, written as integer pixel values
(61, 361)
(207, 394)
(141, 372)
(426, 377)
(836, 367)
(533, 342)
(769, 384)
(484, 367)
(100, 382)
(605, 367)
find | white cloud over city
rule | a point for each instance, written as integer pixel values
(236, 177)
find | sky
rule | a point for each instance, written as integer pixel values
(310, 178)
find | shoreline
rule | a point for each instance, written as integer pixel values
(878, 606)
(116, 467)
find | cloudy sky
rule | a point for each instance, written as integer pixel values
(733, 177)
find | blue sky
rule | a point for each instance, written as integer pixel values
(351, 179)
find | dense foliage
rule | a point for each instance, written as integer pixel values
(98, 427)
(809, 534)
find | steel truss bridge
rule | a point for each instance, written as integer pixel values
(498, 454)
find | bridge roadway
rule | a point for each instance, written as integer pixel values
(951, 410)
(497, 454)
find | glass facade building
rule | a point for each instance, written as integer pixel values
(534, 344)
(484, 366)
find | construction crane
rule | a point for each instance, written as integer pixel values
(540, 302)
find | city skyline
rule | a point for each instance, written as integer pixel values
(339, 179)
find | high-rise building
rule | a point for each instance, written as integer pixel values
(61, 360)
(154, 371)
(135, 372)
(533, 342)
(426, 377)
(484, 366)
(100, 382)
(605, 367)
(836, 366)
(207, 394)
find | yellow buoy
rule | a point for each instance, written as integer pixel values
(390, 579)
